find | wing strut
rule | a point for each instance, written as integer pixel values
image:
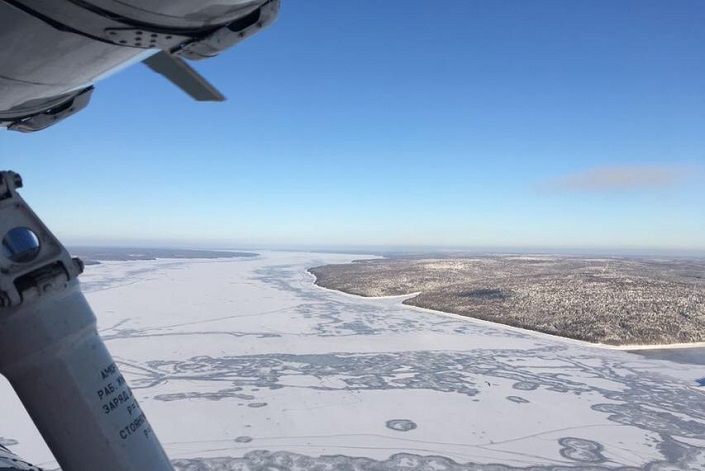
(178, 72)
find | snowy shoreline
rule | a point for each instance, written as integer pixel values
(403, 297)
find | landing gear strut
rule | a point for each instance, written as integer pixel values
(51, 353)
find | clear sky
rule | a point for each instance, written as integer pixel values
(462, 123)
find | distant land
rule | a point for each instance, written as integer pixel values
(607, 300)
(95, 255)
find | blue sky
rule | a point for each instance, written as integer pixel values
(536, 124)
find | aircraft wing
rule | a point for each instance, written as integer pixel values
(76, 44)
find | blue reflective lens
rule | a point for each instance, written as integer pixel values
(20, 245)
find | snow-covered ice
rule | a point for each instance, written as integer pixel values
(246, 364)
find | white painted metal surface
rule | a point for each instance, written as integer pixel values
(52, 355)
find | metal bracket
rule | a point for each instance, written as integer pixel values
(33, 263)
(199, 45)
(53, 115)
(232, 33)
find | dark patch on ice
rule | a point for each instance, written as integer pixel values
(581, 450)
(359, 327)
(646, 418)
(243, 439)
(257, 404)
(211, 396)
(585, 454)
(636, 398)
(517, 399)
(687, 356)
(401, 425)
(525, 386)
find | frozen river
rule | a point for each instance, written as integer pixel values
(245, 364)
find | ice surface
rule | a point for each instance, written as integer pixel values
(245, 364)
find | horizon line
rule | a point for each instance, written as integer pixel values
(409, 250)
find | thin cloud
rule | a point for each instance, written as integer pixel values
(626, 178)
